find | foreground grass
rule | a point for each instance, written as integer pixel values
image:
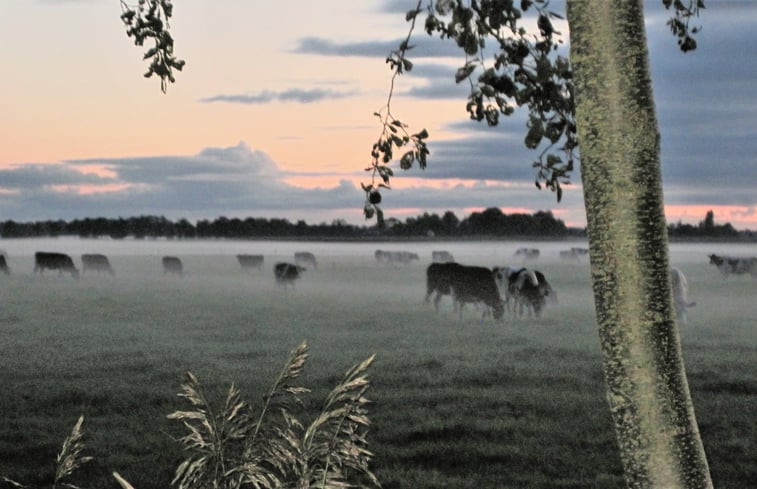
(458, 405)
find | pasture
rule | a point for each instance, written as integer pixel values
(471, 404)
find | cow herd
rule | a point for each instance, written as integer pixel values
(518, 290)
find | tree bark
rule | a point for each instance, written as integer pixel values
(648, 392)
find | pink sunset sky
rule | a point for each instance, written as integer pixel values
(273, 116)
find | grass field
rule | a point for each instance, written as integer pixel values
(471, 404)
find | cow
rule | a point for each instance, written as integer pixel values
(4, 265)
(305, 259)
(729, 265)
(392, 257)
(474, 285)
(441, 256)
(54, 261)
(530, 290)
(439, 278)
(574, 254)
(287, 273)
(502, 277)
(680, 294)
(527, 253)
(96, 262)
(250, 261)
(172, 264)
(465, 284)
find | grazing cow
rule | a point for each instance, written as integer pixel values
(529, 289)
(570, 255)
(287, 273)
(172, 264)
(305, 258)
(502, 277)
(96, 262)
(680, 294)
(392, 257)
(476, 284)
(574, 254)
(4, 265)
(439, 278)
(527, 253)
(441, 256)
(250, 261)
(54, 261)
(729, 265)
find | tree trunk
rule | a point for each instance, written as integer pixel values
(648, 393)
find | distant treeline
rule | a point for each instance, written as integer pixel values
(490, 223)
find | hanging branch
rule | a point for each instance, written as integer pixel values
(149, 20)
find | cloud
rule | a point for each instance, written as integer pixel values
(297, 95)
(423, 46)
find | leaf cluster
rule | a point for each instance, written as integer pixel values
(679, 23)
(149, 20)
(525, 71)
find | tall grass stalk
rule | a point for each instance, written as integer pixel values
(231, 448)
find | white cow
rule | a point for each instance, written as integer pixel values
(680, 294)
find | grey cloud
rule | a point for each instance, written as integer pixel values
(33, 176)
(298, 95)
(423, 46)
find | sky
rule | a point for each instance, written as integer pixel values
(273, 116)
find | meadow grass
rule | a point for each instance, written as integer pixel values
(471, 404)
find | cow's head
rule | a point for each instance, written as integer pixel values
(715, 260)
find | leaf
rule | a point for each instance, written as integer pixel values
(121, 481)
(464, 71)
(407, 160)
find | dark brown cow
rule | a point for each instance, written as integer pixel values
(96, 262)
(4, 265)
(439, 278)
(465, 284)
(172, 264)
(250, 261)
(54, 261)
(287, 273)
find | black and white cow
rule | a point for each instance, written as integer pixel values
(728, 265)
(173, 265)
(680, 294)
(54, 261)
(441, 256)
(250, 261)
(287, 273)
(96, 262)
(530, 290)
(305, 259)
(527, 253)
